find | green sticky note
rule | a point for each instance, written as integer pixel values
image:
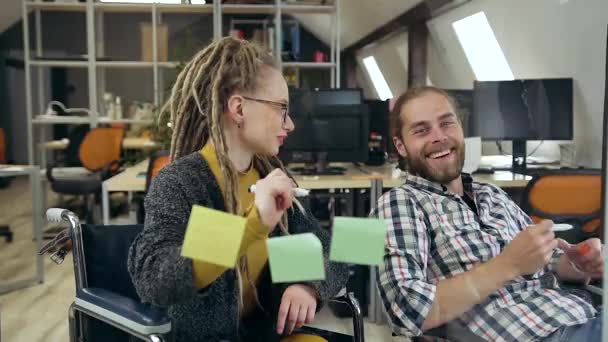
(357, 241)
(297, 257)
(213, 236)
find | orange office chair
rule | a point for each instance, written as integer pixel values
(99, 153)
(158, 160)
(2, 146)
(567, 196)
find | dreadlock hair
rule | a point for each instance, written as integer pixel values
(199, 99)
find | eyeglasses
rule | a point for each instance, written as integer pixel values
(283, 106)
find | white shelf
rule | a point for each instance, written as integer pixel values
(169, 65)
(60, 63)
(313, 9)
(184, 8)
(123, 7)
(102, 64)
(125, 121)
(144, 8)
(248, 9)
(48, 120)
(124, 64)
(57, 6)
(308, 65)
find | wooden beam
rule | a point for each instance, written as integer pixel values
(349, 74)
(417, 35)
(417, 14)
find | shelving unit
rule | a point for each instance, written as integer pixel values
(96, 67)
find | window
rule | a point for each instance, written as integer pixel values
(482, 49)
(382, 89)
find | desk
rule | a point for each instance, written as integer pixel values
(127, 144)
(363, 177)
(360, 177)
(128, 181)
(33, 172)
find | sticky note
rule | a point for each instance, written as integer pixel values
(357, 240)
(213, 236)
(297, 257)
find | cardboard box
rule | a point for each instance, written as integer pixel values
(162, 43)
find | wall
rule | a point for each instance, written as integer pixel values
(540, 39)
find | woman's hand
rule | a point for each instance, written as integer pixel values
(273, 195)
(298, 307)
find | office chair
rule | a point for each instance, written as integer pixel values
(566, 196)
(158, 160)
(99, 153)
(107, 307)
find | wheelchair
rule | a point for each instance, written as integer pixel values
(107, 307)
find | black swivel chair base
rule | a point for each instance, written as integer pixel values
(6, 233)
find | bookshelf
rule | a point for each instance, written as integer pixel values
(96, 67)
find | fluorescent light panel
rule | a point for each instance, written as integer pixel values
(482, 49)
(382, 88)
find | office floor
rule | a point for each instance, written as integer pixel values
(39, 313)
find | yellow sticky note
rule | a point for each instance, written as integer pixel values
(213, 236)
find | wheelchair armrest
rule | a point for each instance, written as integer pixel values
(352, 302)
(123, 311)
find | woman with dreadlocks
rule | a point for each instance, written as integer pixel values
(229, 115)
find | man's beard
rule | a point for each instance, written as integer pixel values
(419, 165)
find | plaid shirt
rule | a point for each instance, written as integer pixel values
(433, 234)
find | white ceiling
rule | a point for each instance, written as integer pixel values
(10, 12)
(358, 18)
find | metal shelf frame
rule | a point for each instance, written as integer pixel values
(93, 10)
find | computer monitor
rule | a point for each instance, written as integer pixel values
(327, 133)
(379, 113)
(463, 99)
(521, 110)
(328, 96)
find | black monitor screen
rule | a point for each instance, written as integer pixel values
(522, 110)
(306, 99)
(340, 130)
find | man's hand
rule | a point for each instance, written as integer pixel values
(530, 250)
(585, 256)
(298, 307)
